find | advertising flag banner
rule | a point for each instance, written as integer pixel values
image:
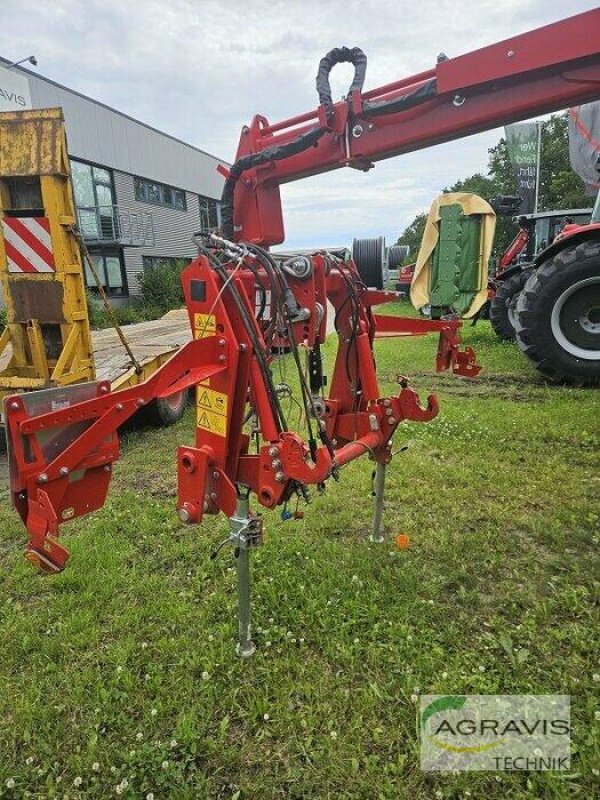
(522, 144)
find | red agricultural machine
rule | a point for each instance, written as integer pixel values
(244, 304)
(547, 293)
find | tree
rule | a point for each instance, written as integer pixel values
(412, 236)
(560, 187)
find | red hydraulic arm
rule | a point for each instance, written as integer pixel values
(516, 247)
(61, 449)
(544, 70)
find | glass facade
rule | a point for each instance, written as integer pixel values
(209, 215)
(111, 274)
(160, 194)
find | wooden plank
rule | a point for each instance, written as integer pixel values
(148, 340)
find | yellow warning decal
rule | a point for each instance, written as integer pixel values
(211, 422)
(204, 325)
(211, 410)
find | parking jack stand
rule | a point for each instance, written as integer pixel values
(245, 534)
(378, 489)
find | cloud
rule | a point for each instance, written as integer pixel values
(200, 69)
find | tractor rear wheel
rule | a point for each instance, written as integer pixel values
(503, 304)
(558, 316)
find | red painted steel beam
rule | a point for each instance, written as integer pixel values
(544, 70)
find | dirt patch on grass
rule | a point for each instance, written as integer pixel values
(506, 387)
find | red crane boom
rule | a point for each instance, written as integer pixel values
(544, 70)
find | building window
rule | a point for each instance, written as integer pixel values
(111, 273)
(209, 215)
(159, 194)
(95, 201)
(151, 262)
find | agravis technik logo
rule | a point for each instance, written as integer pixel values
(495, 732)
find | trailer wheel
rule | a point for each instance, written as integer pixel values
(503, 304)
(166, 411)
(558, 316)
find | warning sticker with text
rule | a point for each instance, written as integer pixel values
(204, 325)
(211, 410)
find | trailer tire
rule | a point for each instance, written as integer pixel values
(168, 410)
(503, 305)
(558, 316)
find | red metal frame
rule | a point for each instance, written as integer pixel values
(544, 70)
(224, 367)
(541, 71)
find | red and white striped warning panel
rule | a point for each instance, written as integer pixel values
(28, 245)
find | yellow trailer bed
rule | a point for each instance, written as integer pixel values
(152, 343)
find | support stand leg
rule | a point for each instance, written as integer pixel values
(242, 539)
(378, 534)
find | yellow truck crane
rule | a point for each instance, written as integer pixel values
(47, 341)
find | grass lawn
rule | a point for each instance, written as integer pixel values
(118, 677)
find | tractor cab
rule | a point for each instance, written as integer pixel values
(546, 226)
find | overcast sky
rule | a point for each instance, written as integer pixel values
(199, 69)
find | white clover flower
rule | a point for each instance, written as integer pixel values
(124, 784)
(173, 744)
(333, 735)
(165, 765)
(10, 783)
(356, 641)
(113, 769)
(266, 717)
(77, 781)
(267, 644)
(154, 712)
(414, 698)
(119, 669)
(595, 677)
(481, 668)
(597, 715)
(444, 674)
(205, 675)
(139, 736)
(29, 761)
(354, 578)
(95, 767)
(144, 645)
(150, 796)
(131, 753)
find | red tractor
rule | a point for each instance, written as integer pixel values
(547, 293)
(557, 314)
(536, 233)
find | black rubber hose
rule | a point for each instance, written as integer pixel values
(378, 107)
(369, 257)
(340, 55)
(267, 156)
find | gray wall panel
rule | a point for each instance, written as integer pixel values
(105, 136)
(173, 229)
